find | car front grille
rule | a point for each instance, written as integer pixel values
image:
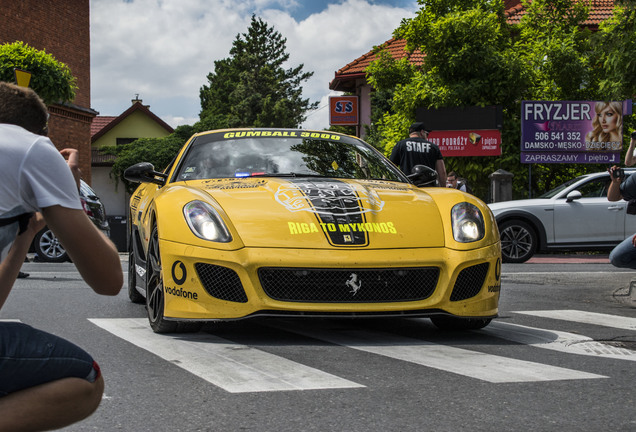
(221, 282)
(469, 282)
(315, 285)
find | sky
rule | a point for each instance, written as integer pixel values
(163, 50)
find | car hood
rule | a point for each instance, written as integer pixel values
(502, 206)
(326, 213)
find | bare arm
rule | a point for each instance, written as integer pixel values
(72, 160)
(11, 265)
(94, 255)
(614, 191)
(440, 167)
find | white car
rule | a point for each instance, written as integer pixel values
(573, 216)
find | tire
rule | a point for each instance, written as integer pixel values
(133, 294)
(155, 294)
(48, 247)
(444, 322)
(518, 241)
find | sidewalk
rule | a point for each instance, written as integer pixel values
(569, 259)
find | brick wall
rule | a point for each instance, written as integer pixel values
(62, 29)
(71, 128)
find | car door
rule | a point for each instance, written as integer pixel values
(591, 218)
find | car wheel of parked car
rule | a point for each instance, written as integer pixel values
(518, 241)
(48, 247)
(133, 294)
(155, 294)
(444, 322)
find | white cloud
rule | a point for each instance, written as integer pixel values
(164, 49)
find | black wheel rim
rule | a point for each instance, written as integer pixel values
(154, 292)
(516, 242)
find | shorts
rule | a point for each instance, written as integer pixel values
(30, 357)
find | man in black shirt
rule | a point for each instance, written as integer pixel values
(417, 150)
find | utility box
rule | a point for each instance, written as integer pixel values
(119, 232)
(500, 186)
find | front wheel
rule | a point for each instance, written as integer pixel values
(444, 322)
(155, 294)
(518, 241)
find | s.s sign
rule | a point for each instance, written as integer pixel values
(343, 110)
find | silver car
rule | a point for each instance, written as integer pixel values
(573, 216)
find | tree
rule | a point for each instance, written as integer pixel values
(251, 88)
(616, 47)
(474, 58)
(469, 61)
(50, 79)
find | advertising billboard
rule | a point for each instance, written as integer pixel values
(475, 142)
(572, 131)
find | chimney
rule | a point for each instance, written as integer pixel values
(137, 100)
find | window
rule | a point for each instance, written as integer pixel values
(122, 141)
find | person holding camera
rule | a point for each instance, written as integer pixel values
(624, 254)
(46, 382)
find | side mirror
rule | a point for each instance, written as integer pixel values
(574, 195)
(421, 175)
(144, 172)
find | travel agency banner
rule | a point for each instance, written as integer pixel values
(572, 131)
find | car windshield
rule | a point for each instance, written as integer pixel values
(296, 154)
(561, 187)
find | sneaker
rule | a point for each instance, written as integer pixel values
(22, 275)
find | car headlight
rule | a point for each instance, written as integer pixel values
(205, 222)
(468, 223)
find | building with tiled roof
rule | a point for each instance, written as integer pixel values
(135, 122)
(351, 78)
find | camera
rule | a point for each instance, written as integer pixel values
(634, 135)
(618, 173)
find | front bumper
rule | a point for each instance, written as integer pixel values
(209, 284)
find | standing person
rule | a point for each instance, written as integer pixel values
(418, 150)
(452, 181)
(624, 254)
(46, 382)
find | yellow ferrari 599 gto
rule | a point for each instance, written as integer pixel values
(290, 222)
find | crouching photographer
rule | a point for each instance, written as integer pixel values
(623, 188)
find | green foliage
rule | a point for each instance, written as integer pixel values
(251, 88)
(617, 55)
(50, 79)
(158, 151)
(474, 58)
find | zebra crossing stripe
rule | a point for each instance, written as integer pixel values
(599, 319)
(233, 367)
(474, 364)
(557, 341)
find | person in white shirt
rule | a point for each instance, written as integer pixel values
(46, 382)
